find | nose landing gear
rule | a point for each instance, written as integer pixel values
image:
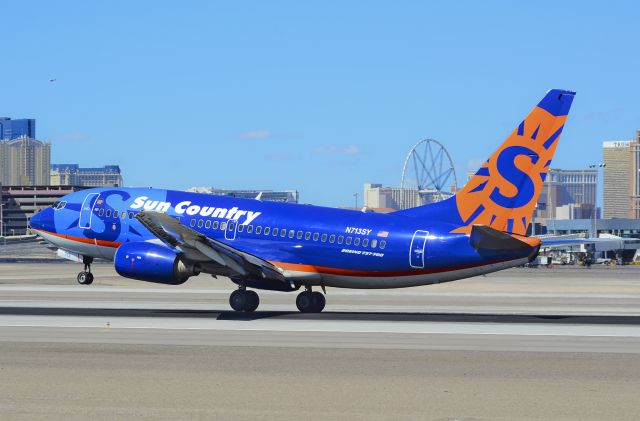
(86, 277)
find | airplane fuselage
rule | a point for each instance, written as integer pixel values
(312, 245)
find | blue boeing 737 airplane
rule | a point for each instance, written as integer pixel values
(168, 236)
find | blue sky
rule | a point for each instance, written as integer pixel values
(319, 96)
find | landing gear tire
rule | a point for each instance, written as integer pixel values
(253, 301)
(318, 301)
(310, 302)
(85, 278)
(243, 300)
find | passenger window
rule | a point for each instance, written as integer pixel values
(292, 233)
(365, 242)
(324, 238)
(266, 230)
(192, 223)
(240, 227)
(299, 236)
(130, 215)
(275, 232)
(340, 238)
(283, 232)
(232, 226)
(200, 223)
(356, 242)
(332, 239)
(108, 213)
(307, 235)
(215, 225)
(223, 226)
(383, 244)
(374, 243)
(207, 224)
(316, 236)
(258, 229)
(349, 239)
(101, 211)
(249, 229)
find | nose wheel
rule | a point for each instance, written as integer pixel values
(310, 301)
(244, 300)
(86, 277)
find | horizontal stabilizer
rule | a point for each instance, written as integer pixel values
(486, 238)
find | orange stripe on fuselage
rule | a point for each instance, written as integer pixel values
(102, 243)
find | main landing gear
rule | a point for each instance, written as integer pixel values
(86, 277)
(310, 301)
(244, 300)
(247, 301)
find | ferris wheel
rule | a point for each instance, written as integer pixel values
(429, 169)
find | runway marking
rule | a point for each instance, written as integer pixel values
(443, 328)
(368, 293)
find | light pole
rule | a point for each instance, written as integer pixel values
(356, 196)
(1, 219)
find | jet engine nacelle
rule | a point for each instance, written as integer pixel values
(153, 263)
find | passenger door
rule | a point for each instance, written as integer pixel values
(418, 244)
(86, 211)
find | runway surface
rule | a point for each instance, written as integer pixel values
(521, 344)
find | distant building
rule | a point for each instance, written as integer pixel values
(634, 212)
(288, 196)
(622, 178)
(568, 194)
(74, 175)
(575, 211)
(14, 129)
(24, 162)
(376, 196)
(19, 203)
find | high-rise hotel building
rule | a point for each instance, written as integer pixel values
(622, 178)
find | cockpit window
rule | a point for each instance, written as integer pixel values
(58, 205)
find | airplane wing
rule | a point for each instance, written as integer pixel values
(551, 241)
(217, 257)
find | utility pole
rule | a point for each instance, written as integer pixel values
(356, 196)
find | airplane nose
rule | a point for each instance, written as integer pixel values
(42, 220)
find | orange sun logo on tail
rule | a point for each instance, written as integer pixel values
(504, 191)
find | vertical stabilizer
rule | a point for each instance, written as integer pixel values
(503, 192)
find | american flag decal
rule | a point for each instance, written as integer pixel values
(383, 234)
